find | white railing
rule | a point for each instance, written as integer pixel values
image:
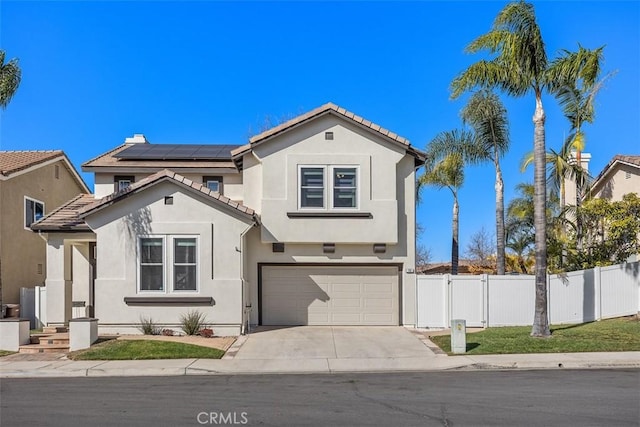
(487, 300)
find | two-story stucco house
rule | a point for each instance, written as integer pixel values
(310, 223)
(32, 183)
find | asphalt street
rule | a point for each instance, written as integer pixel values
(463, 398)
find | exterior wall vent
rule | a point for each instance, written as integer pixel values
(328, 135)
(277, 247)
(329, 248)
(379, 248)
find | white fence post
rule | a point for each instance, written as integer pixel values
(597, 300)
(447, 292)
(485, 300)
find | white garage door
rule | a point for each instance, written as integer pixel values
(329, 295)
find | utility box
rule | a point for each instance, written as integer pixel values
(458, 336)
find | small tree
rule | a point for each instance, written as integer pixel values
(481, 248)
(611, 231)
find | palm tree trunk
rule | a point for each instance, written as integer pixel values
(454, 238)
(500, 239)
(541, 319)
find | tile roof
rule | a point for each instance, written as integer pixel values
(324, 109)
(66, 218)
(634, 160)
(15, 161)
(109, 159)
(165, 175)
(628, 159)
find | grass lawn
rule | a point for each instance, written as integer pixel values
(622, 334)
(145, 349)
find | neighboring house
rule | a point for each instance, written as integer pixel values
(619, 177)
(32, 183)
(310, 223)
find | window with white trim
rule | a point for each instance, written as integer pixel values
(121, 182)
(213, 183)
(312, 187)
(152, 264)
(184, 264)
(168, 264)
(328, 187)
(33, 211)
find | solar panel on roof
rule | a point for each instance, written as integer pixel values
(176, 152)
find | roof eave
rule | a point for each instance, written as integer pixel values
(83, 213)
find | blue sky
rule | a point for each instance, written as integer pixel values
(207, 72)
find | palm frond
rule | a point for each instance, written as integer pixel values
(10, 76)
(488, 118)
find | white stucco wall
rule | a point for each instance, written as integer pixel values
(81, 276)
(622, 180)
(61, 272)
(375, 158)
(218, 231)
(231, 182)
(386, 190)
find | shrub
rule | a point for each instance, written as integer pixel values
(148, 326)
(206, 332)
(192, 322)
(167, 332)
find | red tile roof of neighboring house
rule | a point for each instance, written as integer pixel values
(15, 161)
(66, 218)
(324, 109)
(165, 175)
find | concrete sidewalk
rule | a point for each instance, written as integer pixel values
(68, 368)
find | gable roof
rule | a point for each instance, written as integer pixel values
(167, 175)
(66, 218)
(630, 160)
(328, 108)
(14, 163)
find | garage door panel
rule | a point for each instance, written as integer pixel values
(381, 303)
(336, 295)
(346, 303)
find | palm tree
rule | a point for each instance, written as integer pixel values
(520, 66)
(488, 118)
(10, 75)
(447, 171)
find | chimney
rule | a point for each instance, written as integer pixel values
(137, 138)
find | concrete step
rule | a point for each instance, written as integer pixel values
(62, 338)
(44, 348)
(54, 329)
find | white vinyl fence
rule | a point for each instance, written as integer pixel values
(487, 300)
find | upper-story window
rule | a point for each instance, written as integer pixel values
(328, 187)
(213, 183)
(122, 182)
(33, 211)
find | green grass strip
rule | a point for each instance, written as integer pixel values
(144, 350)
(621, 334)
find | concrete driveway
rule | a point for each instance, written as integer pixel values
(332, 342)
